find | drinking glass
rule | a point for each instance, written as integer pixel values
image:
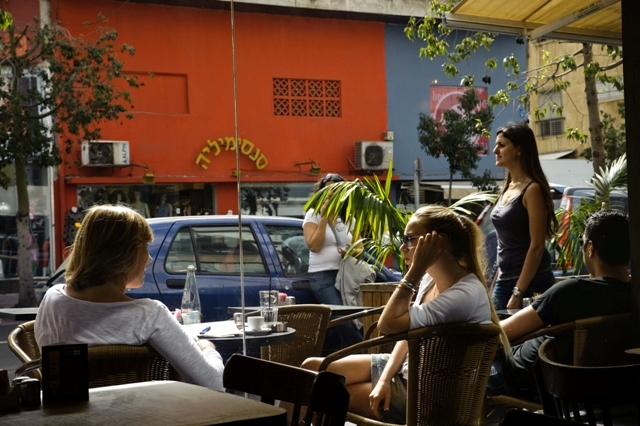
(269, 305)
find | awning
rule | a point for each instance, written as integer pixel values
(578, 20)
(459, 189)
(557, 155)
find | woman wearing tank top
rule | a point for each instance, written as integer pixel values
(523, 217)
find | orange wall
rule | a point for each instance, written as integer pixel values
(190, 98)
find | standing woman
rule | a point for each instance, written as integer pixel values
(325, 255)
(524, 218)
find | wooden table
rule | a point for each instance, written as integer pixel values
(19, 314)
(335, 309)
(159, 403)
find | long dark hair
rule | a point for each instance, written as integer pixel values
(522, 137)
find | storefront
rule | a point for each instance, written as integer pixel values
(40, 224)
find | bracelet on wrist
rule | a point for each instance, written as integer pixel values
(406, 284)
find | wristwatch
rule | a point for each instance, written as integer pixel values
(517, 292)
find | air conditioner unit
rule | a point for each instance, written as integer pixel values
(373, 155)
(105, 153)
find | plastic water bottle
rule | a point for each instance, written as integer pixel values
(190, 298)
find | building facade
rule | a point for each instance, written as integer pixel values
(288, 99)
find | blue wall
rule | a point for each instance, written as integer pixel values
(408, 81)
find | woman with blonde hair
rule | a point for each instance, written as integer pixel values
(444, 253)
(110, 255)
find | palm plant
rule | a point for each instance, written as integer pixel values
(567, 240)
(367, 206)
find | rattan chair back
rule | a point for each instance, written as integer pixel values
(121, 364)
(310, 323)
(449, 366)
(22, 342)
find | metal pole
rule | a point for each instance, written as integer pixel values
(417, 176)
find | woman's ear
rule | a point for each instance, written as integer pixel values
(444, 241)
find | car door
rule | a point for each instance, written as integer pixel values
(214, 249)
(290, 252)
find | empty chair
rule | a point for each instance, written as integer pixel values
(310, 323)
(323, 394)
(593, 390)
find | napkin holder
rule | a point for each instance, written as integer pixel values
(65, 373)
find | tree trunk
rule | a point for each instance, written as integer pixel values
(450, 185)
(27, 294)
(595, 124)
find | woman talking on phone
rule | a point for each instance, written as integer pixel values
(523, 217)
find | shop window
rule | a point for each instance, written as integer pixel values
(306, 98)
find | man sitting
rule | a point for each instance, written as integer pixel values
(606, 251)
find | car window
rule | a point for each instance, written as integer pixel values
(217, 249)
(291, 248)
(181, 253)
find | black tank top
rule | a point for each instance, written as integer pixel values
(511, 221)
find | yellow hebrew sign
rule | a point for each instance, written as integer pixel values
(229, 144)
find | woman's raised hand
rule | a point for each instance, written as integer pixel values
(428, 249)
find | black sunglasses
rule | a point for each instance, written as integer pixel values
(406, 239)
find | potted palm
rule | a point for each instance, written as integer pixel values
(375, 219)
(567, 241)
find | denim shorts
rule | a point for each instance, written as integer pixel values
(398, 408)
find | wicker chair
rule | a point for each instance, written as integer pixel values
(323, 394)
(121, 364)
(108, 365)
(576, 389)
(310, 323)
(449, 367)
(599, 340)
(22, 342)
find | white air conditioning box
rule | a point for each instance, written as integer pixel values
(373, 155)
(105, 153)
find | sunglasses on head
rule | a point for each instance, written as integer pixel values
(332, 177)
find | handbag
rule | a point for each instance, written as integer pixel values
(351, 274)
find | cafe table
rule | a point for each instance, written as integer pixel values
(161, 403)
(18, 314)
(226, 335)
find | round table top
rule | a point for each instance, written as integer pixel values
(270, 338)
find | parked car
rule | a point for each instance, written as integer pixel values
(275, 256)
(572, 198)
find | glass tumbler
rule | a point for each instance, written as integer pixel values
(269, 305)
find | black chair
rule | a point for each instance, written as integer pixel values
(323, 394)
(575, 390)
(515, 417)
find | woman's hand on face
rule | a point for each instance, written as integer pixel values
(380, 397)
(427, 251)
